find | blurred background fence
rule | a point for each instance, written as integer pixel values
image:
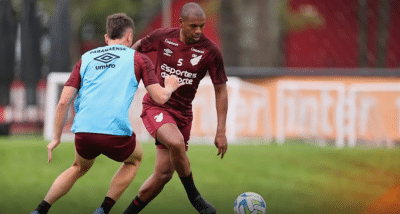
(329, 68)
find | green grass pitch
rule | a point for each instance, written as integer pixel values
(292, 178)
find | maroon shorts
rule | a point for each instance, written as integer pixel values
(154, 117)
(91, 145)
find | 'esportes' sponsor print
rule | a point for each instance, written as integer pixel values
(183, 76)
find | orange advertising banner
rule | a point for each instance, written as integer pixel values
(345, 111)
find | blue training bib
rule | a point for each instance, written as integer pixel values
(108, 85)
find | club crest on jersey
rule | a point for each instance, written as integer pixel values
(167, 52)
(195, 60)
(159, 117)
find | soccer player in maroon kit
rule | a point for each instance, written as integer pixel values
(188, 54)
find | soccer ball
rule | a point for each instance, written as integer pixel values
(249, 203)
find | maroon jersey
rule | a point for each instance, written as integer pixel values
(189, 62)
(144, 70)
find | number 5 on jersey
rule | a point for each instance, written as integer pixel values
(179, 62)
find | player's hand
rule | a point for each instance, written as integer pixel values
(52, 145)
(172, 82)
(221, 143)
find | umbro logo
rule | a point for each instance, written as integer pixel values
(159, 117)
(167, 52)
(195, 60)
(106, 58)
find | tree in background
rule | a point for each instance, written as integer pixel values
(31, 61)
(366, 40)
(230, 37)
(60, 38)
(383, 32)
(8, 29)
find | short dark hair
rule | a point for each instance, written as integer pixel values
(191, 8)
(117, 24)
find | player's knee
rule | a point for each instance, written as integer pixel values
(139, 156)
(135, 158)
(165, 177)
(81, 168)
(138, 152)
(178, 143)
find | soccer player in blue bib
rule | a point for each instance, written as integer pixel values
(104, 82)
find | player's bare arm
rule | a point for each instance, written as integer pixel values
(161, 95)
(137, 45)
(221, 101)
(67, 96)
